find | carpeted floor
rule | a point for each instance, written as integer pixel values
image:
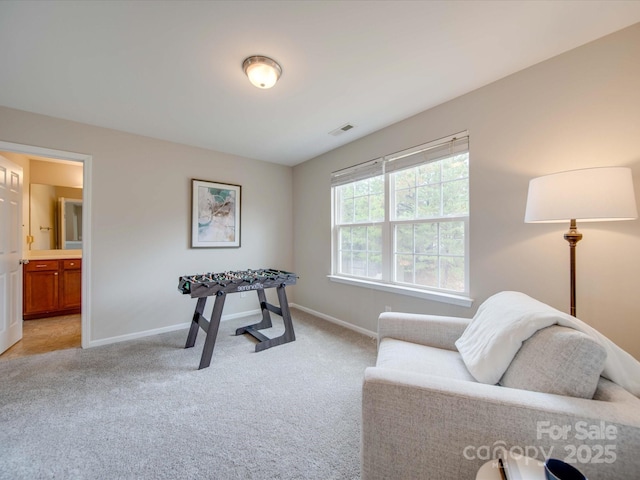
(142, 410)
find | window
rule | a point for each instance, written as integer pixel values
(403, 219)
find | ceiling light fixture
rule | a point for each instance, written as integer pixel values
(263, 72)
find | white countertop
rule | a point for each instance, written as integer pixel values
(52, 254)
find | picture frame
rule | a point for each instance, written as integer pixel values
(215, 214)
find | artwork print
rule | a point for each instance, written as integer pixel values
(215, 217)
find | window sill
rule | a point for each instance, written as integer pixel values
(459, 300)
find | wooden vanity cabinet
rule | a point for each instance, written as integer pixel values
(52, 288)
(41, 288)
(70, 284)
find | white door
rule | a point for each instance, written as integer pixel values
(10, 253)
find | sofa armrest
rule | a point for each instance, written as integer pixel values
(423, 426)
(432, 330)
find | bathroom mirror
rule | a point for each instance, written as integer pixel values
(55, 217)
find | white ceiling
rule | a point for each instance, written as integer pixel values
(172, 69)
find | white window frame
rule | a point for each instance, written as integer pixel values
(387, 283)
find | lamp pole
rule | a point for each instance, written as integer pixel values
(573, 237)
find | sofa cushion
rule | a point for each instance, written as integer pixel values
(413, 357)
(557, 360)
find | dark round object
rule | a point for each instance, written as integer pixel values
(555, 469)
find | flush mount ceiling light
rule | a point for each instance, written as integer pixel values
(263, 72)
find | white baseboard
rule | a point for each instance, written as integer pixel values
(156, 331)
(184, 325)
(337, 321)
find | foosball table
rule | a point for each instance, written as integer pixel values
(219, 285)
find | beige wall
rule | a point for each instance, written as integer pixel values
(140, 211)
(580, 109)
(51, 173)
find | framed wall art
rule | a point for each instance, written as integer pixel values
(215, 214)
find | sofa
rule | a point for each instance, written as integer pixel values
(426, 416)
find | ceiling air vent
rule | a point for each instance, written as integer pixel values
(341, 130)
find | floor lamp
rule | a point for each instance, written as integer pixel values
(587, 195)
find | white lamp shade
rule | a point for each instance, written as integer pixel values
(588, 195)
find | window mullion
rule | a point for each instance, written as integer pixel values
(335, 222)
(438, 251)
(441, 183)
(387, 232)
(367, 249)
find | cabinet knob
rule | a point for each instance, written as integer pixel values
(56, 273)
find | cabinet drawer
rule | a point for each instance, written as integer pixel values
(74, 264)
(41, 265)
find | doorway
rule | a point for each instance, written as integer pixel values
(66, 330)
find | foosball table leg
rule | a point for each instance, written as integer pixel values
(283, 311)
(266, 318)
(195, 323)
(212, 331)
(265, 342)
(289, 335)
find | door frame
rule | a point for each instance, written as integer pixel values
(87, 161)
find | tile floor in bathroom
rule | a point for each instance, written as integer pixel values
(46, 335)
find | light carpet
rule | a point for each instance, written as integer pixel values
(142, 410)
